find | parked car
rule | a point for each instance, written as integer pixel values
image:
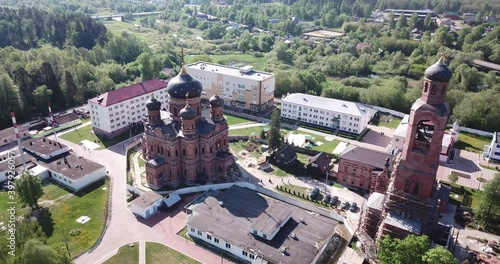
(314, 193)
(353, 207)
(334, 200)
(345, 205)
(327, 198)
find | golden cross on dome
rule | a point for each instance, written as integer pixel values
(182, 57)
(187, 96)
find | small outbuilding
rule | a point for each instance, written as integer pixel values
(319, 163)
(146, 205)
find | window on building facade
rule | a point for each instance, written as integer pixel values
(252, 256)
(245, 253)
(193, 230)
(209, 237)
(216, 240)
(228, 245)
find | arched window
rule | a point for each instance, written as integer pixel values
(175, 111)
(177, 153)
(196, 151)
(426, 87)
(442, 89)
(184, 152)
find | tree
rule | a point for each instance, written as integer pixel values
(71, 90)
(427, 22)
(490, 198)
(402, 22)
(390, 20)
(413, 21)
(42, 97)
(453, 178)
(29, 188)
(274, 134)
(397, 251)
(35, 252)
(439, 255)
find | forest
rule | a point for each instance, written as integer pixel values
(68, 69)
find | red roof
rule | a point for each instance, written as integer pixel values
(129, 92)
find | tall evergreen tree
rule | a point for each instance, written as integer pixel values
(71, 90)
(274, 134)
(49, 79)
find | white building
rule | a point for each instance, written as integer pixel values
(53, 160)
(146, 205)
(242, 87)
(330, 113)
(113, 112)
(399, 135)
(493, 151)
(257, 228)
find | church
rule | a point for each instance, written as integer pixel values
(409, 204)
(187, 144)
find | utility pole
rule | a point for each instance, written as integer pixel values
(16, 131)
(51, 117)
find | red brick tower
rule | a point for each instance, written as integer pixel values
(411, 204)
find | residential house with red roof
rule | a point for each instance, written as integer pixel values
(113, 112)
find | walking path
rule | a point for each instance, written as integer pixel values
(242, 126)
(142, 252)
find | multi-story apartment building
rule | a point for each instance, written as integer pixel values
(113, 112)
(242, 88)
(330, 113)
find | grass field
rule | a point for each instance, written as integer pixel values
(158, 253)
(183, 234)
(234, 120)
(65, 213)
(76, 136)
(470, 142)
(258, 63)
(387, 121)
(247, 131)
(327, 146)
(125, 255)
(52, 191)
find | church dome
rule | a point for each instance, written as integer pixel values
(187, 113)
(438, 72)
(184, 86)
(152, 104)
(216, 101)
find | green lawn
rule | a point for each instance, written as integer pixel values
(65, 213)
(76, 136)
(327, 146)
(125, 255)
(52, 191)
(234, 120)
(470, 142)
(183, 234)
(303, 158)
(249, 130)
(259, 63)
(387, 121)
(299, 191)
(158, 253)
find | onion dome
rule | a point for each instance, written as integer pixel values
(187, 113)
(184, 86)
(438, 72)
(152, 104)
(216, 101)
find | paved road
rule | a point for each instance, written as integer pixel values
(123, 227)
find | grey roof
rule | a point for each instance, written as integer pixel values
(146, 199)
(268, 223)
(376, 201)
(366, 156)
(286, 153)
(321, 159)
(72, 166)
(10, 131)
(328, 104)
(403, 223)
(42, 145)
(66, 118)
(242, 207)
